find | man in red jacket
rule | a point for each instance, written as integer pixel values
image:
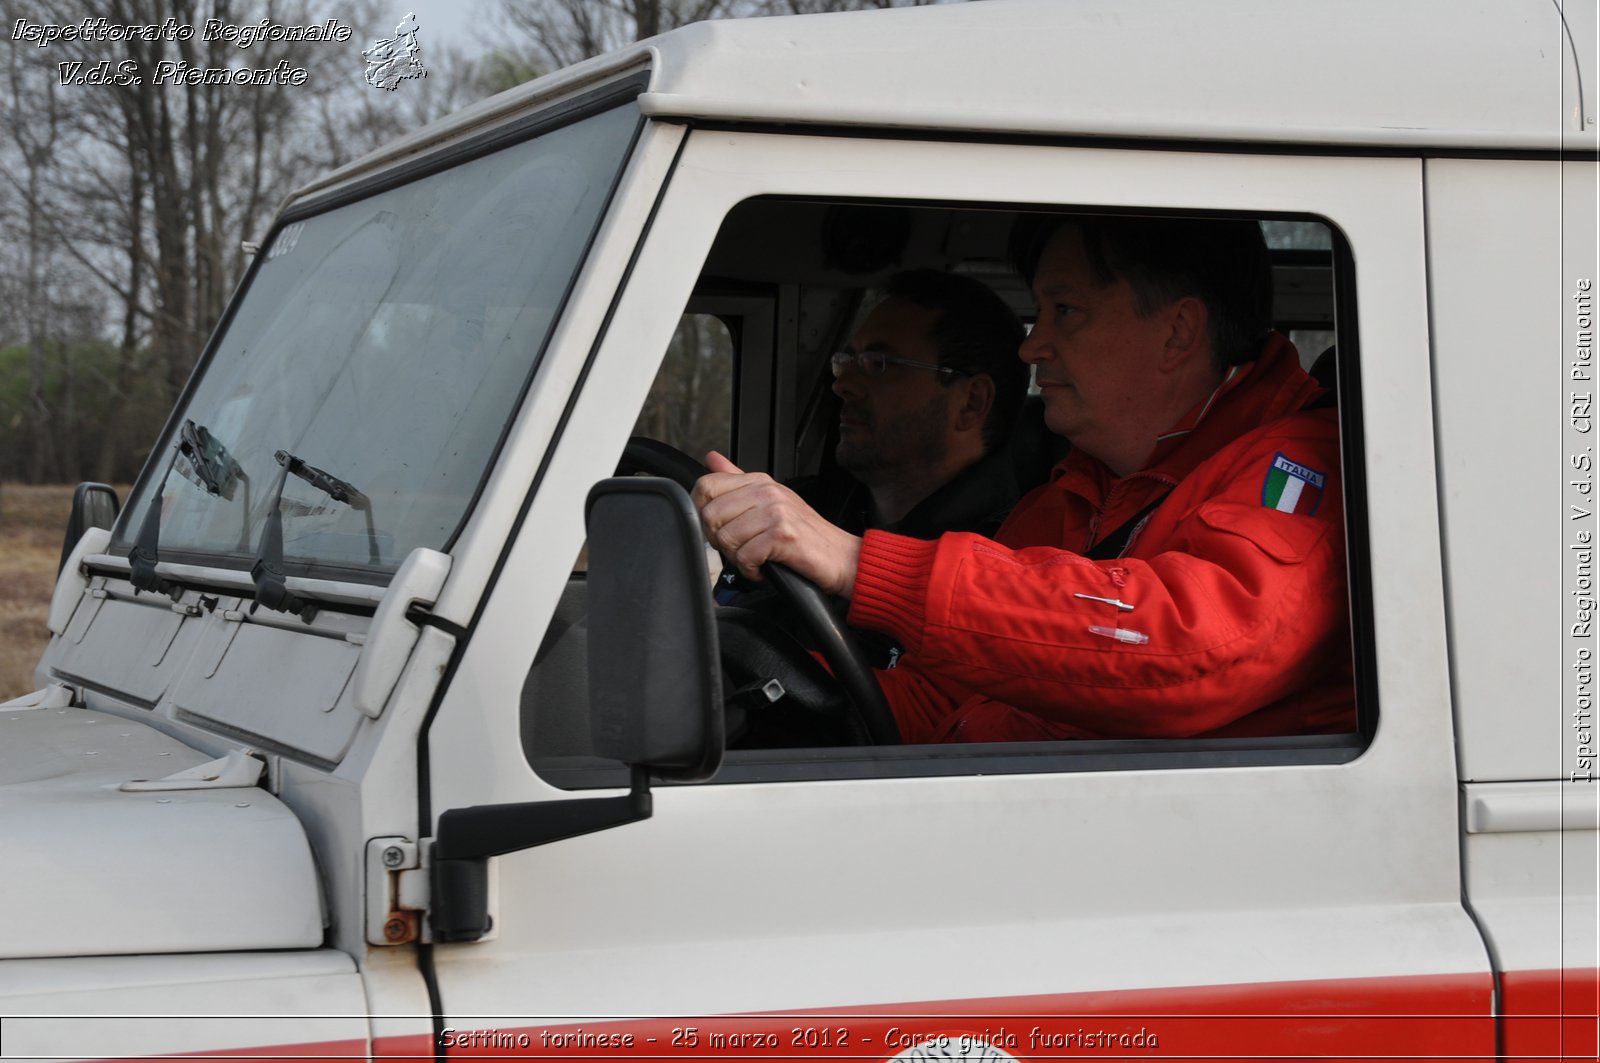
(1183, 574)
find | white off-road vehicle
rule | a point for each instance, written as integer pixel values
(387, 720)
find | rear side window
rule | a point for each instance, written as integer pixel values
(691, 401)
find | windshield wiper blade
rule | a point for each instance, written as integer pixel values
(267, 573)
(218, 472)
(209, 459)
(329, 484)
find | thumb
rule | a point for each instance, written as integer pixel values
(717, 463)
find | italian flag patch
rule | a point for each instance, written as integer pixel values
(1292, 488)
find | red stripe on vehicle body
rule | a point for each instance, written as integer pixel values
(418, 1046)
(1551, 1014)
(318, 1052)
(1441, 1017)
(1548, 1015)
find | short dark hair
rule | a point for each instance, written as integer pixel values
(975, 332)
(1223, 262)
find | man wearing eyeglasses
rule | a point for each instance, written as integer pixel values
(1183, 575)
(929, 389)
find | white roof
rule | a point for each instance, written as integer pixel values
(1406, 74)
(1352, 72)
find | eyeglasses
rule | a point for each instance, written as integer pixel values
(873, 363)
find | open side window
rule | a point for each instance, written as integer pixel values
(786, 284)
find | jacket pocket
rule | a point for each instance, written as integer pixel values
(1285, 538)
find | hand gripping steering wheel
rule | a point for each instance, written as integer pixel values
(835, 641)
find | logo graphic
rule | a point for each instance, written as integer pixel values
(1292, 488)
(391, 61)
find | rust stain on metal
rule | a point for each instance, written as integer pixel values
(401, 927)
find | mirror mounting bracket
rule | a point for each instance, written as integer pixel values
(468, 837)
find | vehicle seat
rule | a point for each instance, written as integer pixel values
(1034, 449)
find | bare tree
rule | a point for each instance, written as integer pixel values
(34, 120)
(144, 192)
(350, 125)
(123, 204)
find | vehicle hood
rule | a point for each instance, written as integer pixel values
(87, 869)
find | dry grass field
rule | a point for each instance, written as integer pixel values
(32, 520)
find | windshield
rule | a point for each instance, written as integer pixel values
(384, 342)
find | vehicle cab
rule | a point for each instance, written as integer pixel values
(388, 718)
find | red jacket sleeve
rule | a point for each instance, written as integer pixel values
(1242, 605)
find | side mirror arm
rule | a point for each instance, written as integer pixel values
(468, 837)
(661, 714)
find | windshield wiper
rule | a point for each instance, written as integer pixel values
(217, 472)
(267, 573)
(192, 440)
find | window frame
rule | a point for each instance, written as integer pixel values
(1212, 202)
(756, 383)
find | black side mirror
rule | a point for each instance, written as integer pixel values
(93, 506)
(655, 688)
(655, 693)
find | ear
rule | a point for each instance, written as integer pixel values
(1188, 336)
(976, 396)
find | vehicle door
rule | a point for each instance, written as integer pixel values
(1296, 896)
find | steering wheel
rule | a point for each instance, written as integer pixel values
(837, 644)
